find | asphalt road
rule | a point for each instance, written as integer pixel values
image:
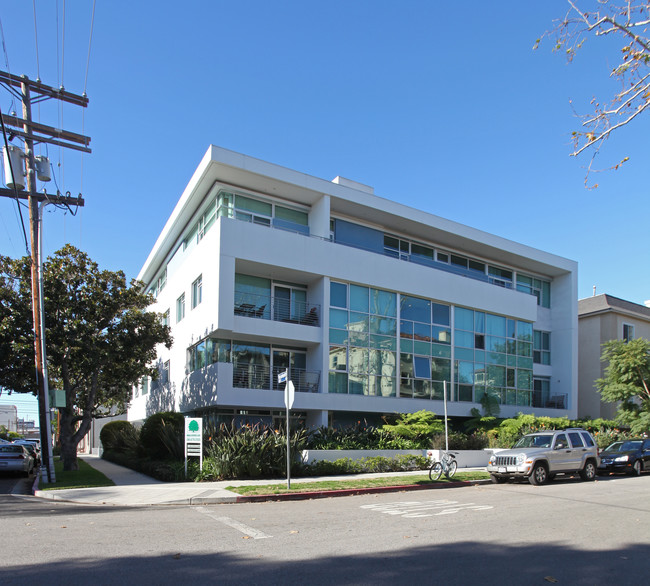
(568, 532)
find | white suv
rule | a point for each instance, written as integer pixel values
(540, 456)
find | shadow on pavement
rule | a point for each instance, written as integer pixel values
(467, 562)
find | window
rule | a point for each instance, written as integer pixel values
(165, 318)
(541, 347)
(538, 287)
(164, 374)
(628, 332)
(144, 385)
(197, 291)
(180, 308)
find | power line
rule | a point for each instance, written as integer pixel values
(38, 65)
(13, 179)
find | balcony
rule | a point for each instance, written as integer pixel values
(276, 309)
(254, 376)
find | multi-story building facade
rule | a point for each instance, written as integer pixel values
(372, 305)
(602, 318)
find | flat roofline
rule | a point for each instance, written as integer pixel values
(220, 164)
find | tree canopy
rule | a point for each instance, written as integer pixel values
(100, 338)
(627, 380)
(627, 22)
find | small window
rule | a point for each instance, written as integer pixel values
(576, 440)
(628, 332)
(561, 442)
(164, 375)
(587, 439)
(422, 367)
(180, 308)
(197, 291)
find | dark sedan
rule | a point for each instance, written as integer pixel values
(630, 457)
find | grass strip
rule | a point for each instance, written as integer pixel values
(85, 477)
(321, 485)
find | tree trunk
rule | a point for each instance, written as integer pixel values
(70, 435)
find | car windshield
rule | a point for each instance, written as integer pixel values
(535, 441)
(628, 446)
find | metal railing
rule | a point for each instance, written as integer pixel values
(255, 376)
(273, 308)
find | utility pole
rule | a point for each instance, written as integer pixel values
(32, 132)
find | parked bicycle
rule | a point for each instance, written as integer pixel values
(446, 466)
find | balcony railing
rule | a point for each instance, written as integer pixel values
(530, 398)
(254, 376)
(276, 309)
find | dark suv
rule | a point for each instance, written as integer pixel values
(540, 456)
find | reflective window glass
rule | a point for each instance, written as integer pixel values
(464, 319)
(359, 298)
(338, 294)
(415, 309)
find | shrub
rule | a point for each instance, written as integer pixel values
(342, 466)
(460, 441)
(119, 436)
(157, 435)
(249, 452)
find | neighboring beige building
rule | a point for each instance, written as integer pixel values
(602, 318)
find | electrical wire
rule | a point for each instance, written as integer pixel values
(38, 64)
(63, 47)
(13, 179)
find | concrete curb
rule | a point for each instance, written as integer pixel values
(319, 494)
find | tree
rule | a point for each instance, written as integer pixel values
(628, 22)
(100, 339)
(627, 380)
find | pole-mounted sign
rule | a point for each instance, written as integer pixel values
(194, 439)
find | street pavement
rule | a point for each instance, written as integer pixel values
(135, 489)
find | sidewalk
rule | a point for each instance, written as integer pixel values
(135, 489)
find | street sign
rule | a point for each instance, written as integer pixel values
(282, 377)
(289, 395)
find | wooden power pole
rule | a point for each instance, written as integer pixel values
(32, 132)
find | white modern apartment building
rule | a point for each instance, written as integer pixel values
(371, 305)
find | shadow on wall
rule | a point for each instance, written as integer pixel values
(199, 389)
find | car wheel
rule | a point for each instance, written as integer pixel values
(497, 479)
(589, 471)
(637, 468)
(539, 475)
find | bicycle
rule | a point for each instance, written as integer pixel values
(447, 465)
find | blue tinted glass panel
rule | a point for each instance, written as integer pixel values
(383, 342)
(338, 294)
(359, 298)
(464, 319)
(415, 309)
(464, 339)
(441, 334)
(386, 326)
(524, 331)
(440, 314)
(383, 302)
(358, 322)
(479, 322)
(496, 325)
(359, 236)
(464, 354)
(338, 336)
(440, 350)
(338, 318)
(422, 366)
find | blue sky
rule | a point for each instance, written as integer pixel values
(443, 107)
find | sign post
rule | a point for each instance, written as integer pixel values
(193, 440)
(289, 395)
